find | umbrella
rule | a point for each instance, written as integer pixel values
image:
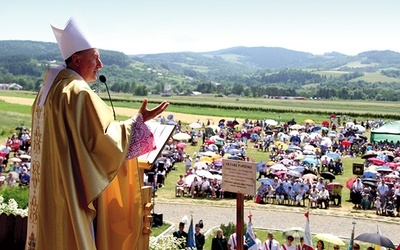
(369, 154)
(294, 173)
(201, 165)
(346, 143)
(266, 181)
(271, 122)
(384, 169)
(170, 117)
(15, 159)
(330, 238)
(376, 161)
(334, 155)
(195, 125)
(309, 121)
(325, 123)
(315, 128)
(208, 153)
(208, 141)
(296, 232)
(278, 167)
(181, 145)
(327, 175)
(309, 160)
(189, 179)
(376, 239)
(204, 173)
(217, 176)
(370, 184)
(309, 176)
(332, 185)
(349, 182)
(297, 127)
(181, 136)
(21, 128)
(25, 157)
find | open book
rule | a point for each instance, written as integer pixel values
(161, 132)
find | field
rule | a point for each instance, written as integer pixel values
(16, 111)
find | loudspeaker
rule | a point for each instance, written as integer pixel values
(157, 220)
(358, 168)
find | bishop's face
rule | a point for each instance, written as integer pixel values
(87, 63)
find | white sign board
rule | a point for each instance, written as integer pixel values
(239, 176)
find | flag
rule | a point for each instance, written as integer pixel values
(351, 242)
(307, 232)
(191, 241)
(250, 237)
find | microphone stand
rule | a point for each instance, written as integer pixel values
(102, 79)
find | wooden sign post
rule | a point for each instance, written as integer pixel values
(239, 177)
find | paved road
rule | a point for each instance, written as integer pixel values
(275, 219)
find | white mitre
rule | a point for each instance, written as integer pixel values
(71, 39)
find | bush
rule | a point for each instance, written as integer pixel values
(230, 229)
(19, 194)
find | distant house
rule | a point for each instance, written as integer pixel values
(10, 86)
(196, 93)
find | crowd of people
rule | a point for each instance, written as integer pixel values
(15, 158)
(303, 162)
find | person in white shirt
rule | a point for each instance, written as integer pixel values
(288, 245)
(232, 242)
(323, 197)
(271, 243)
(300, 194)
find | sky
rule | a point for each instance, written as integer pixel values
(158, 26)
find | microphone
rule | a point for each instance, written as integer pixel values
(103, 79)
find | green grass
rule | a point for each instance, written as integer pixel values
(375, 77)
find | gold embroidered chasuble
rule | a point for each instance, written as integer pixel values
(78, 155)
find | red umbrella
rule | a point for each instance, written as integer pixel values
(376, 161)
(393, 165)
(346, 143)
(349, 182)
(210, 141)
(325, 123)
(181, 145)
(332, 185)
(237, 135)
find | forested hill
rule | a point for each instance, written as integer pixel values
(246, 71)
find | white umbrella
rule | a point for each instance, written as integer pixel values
(208, 153)
(294, 132)
(297, 127)
(294, 173)
(25, 157)
(204, 173)
(360, 129)
(201, 165)
(189, 179)
(278, 167)
(217, 176)
(181, 136)
(309, 147)
(15, 159)
(195, 125)
(213, 127)
(271, 122)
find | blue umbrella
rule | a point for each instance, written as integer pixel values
(233, 151)
(266, 181)
(310, 160)
(259, 165)
(315, 128)
(254, 136)
(334, 155)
